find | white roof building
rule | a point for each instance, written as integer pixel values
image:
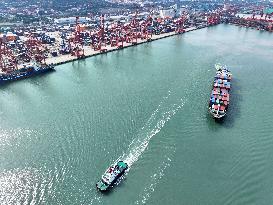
(72, 20)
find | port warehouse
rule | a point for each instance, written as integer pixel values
(77, 37)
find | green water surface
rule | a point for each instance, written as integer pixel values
(146, 105)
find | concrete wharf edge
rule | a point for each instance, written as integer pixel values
(127, 46)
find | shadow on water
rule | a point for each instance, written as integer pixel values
(42, 76)
(80, 68)
(6, 85)
(78, 63)
(233, 112)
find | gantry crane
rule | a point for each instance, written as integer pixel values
(8, 62)
(76, 42)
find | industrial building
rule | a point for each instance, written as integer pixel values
(72, 20)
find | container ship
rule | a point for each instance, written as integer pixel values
(26, 60)
(25, 71)
(112, 174)
(220, 94)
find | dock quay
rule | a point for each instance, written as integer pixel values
(24, 49)
(74, 38)
(89, 52)
(258, 22)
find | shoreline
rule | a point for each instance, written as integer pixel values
(89, 52)
(251, 27)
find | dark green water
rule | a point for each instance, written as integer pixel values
(146, 105)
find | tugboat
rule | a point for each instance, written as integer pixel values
(112, 174)
(219, 98)
(25, 72)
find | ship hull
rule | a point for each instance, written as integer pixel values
(111, 176)
(220, 94)
(112, 183)
(7, 78)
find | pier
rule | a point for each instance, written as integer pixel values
(54, 46)
(89, 52)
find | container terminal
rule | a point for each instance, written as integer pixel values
(73, 38)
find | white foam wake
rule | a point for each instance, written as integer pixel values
(155, 178)
(155, 123)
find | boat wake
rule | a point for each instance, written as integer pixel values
(156, 122)
(162, 114)
(154, 180)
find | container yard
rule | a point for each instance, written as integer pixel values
(46, 47)
(258, 17)
(260, 22)
(74, 38)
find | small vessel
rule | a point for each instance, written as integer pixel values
(112, 174)
(220, 94)
(24, 72)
